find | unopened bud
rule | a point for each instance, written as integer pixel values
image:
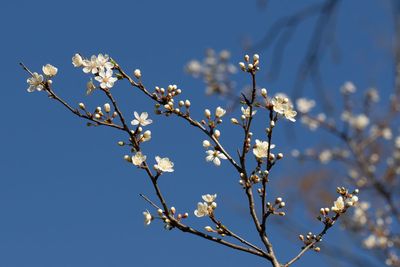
(160, 212)
(82, 106)
(127, 158)
(264, 92)
(121, 143)
(207, 113)
(173, 210)
(209, 229)
(206, 143)
(147, 134)
(137, 73)
(234, 121)
(107, 107)
(242, 66)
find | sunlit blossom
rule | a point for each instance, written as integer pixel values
(147, 217)
(164, 165)
(260, 149)
(215, 156)
(138, 159)
(202, 210)
(105, 79)
(141, 119)
(49, 70)
(77, 60)
(35, 82)
(209, 198)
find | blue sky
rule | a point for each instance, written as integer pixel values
(67, 198)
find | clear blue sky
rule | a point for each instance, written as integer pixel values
(67, 199)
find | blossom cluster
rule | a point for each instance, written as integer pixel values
(101, 66)
(215, 70)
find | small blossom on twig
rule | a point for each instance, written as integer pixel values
(215, 156)
(49, 70)
(164, 165)
(77, 60)
(138, 159)
(35, 82)
(141, 119)
(260, 149)
(106, 79)
(147, 217)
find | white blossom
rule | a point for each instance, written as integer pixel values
(348, 88)
(141, 119)
(164, 165)
(35, 82)
(138, 159)
(194, 67)
(105, 79)
(351, 201)
(359, 122)
(338, 205)
(49, 70)
(282, 105)
(325, 156)
(209, 198)
(90, 65)
(304, 105)
(373, 94)
(219, 112)
(260, 149)
(215, 156)
(147, 217)
(290, 114)
(77, 60)
(246, 112)
(202, 210)
(103, 62)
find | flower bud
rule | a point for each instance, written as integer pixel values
(147, 134)
(206, 143)
(137, 73)
(264, 92)
(82, 106)
(234, 121)
(207, 113)
(160, 212)
(209, 229)
(127, 158)
(173, 210)
(107, 107)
